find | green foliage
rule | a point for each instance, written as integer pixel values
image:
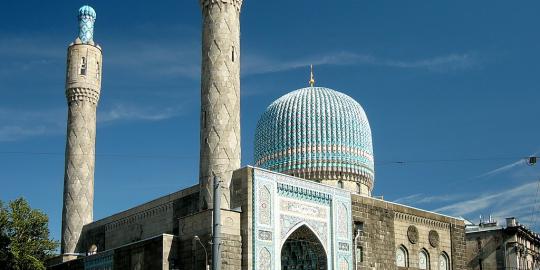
(24, 237)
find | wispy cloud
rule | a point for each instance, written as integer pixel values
(257, 64)
(122, 112)
(420, 198)
(505, 168)
(18, 124)
(181, 57)
(518, 201)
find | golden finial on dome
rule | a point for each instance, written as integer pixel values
(311, 79)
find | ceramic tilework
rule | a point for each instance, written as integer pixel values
(318, 133)
(87, 17)
(265, 259)
(264, 206)
(293, 203)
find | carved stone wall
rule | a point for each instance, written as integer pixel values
(83, 83)
(417, 239)
(141, 222)
(385, 226)
(159, 252)
(220, 96)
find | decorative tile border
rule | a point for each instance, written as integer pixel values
(292, 203)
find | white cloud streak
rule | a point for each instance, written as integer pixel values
(421, 198)
(182, 58)
(256, 64)
(121, 112)
(18, 125)
(505, 168)
(518, 201)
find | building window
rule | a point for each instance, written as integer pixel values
(444, 263)
(359, 254)
(232, 54)
(203, 119)
(358, 188)
(83, 66)
(358, 227)
(97, 71)
(402, 257)
(423, 260)
(340, 184)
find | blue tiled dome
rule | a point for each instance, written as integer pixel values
(316, 133)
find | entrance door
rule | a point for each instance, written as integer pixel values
(303, 250)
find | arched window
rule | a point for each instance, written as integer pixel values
(444, 262)
(423, 259)
(402, 257)
(358, 188)
(340, 184)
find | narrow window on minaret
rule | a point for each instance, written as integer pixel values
(68, 67)
(232, 54)
(97, 72)
(83, 66)
(204, 119)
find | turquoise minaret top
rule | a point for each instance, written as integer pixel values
(316, 133)
(87, 17)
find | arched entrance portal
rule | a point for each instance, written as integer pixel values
(303, 250)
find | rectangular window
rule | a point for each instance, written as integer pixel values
(83, 66)
(358, 226)
(97, 71)
(359, 254)
(232, 54)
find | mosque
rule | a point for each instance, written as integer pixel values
(305, 204)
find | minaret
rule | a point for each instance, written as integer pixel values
(220, 96)
(83, 84)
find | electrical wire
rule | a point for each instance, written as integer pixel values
(173, 156)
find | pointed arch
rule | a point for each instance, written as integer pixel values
(303, 249)
(296, 227)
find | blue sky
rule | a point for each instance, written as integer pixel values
(450, 88)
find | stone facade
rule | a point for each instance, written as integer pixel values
(220, 96)
(490, 246)
(384, 227)
(192, 254)
(83, 84)
(150, 219)
(253, 238)
(158, 252)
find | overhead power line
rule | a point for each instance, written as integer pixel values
(173, 156)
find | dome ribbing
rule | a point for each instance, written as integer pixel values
(316, 133)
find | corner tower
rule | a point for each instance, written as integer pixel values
(220, 96)
(83, 84)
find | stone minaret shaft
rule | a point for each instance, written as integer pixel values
(83, 84)
(220, 96)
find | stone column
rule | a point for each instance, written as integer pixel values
(83, 84)
(220, 97)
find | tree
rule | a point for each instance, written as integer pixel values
(24, 237)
